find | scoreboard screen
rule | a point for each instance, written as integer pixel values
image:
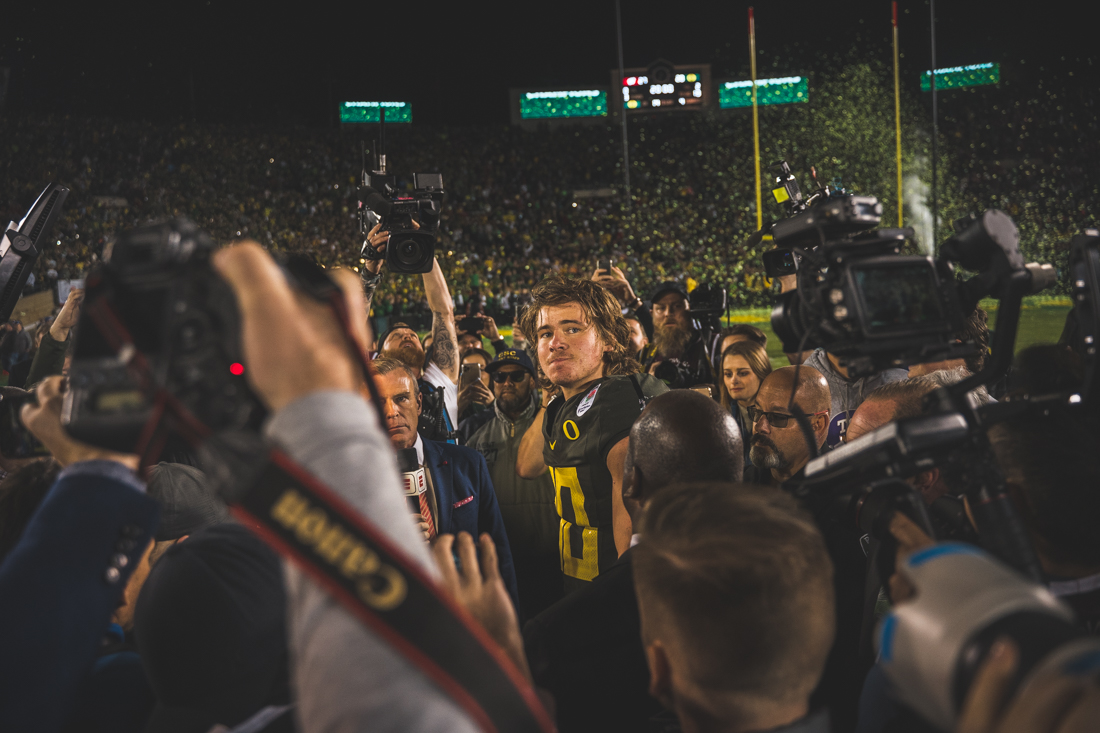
(370, 112)
(541, 105)
(663, 87)
(781, 90)
(955, 77)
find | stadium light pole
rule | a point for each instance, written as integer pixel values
(622, 108)
(935, 130)
(897, 107)
(755, 122)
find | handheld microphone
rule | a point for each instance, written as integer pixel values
(413, 476)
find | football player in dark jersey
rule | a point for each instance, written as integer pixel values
(593, 391)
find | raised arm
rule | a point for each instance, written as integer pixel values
(371, 274)
(444, 336)
(529, 463)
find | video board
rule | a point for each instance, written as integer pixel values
(561, 104)
(779, 90)
(370, 112)
(956, 77)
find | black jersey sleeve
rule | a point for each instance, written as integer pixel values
(620, 406)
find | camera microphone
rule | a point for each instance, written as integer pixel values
(413, 476)
(375, 201)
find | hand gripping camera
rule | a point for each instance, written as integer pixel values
(410, 249)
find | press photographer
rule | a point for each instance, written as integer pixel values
(437, 375)
(675, 341)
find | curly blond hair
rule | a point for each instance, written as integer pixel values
(600, 309)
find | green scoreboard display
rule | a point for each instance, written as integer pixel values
(781, 90)
(370, 112)
(543, 105)
(974, 75)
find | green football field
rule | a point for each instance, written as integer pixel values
(1039, 323)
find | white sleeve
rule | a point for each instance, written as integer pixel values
(434, 376)
(346, 678)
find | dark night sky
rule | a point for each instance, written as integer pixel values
(456, 61)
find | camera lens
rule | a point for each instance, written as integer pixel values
(408, 252)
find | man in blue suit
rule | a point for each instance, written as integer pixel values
(459, 495)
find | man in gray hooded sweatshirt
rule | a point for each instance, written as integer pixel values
(847, 394)
(526, 505)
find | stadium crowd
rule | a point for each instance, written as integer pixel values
(603, 524)
(520, 202)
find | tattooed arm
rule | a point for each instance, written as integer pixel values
(444, 337)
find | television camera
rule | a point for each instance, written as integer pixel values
(410, 217)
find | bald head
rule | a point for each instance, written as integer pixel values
(682, 436)
(811, 396)
(782, 448)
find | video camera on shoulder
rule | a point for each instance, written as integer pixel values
(876, 308)
(708, 304)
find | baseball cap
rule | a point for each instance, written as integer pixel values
(670, 286)
(187, 502)
(512, 356)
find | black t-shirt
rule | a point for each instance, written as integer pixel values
(578, 434)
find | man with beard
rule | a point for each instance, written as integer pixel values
(779, 451)
(438, 378)
(678, 353)
(527, 505)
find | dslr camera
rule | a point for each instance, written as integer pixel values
(157, 322)
(410, 249)
(157, 357)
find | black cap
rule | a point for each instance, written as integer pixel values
(512, 356)
(670, 286)
(187, 503)
(210, 626)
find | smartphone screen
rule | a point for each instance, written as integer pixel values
(604, 265)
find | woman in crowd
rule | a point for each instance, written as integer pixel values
(744, 366)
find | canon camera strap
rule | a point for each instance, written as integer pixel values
(376, 581)
(357, 564)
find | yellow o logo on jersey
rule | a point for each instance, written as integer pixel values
(576, 431)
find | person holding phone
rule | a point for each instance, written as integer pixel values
(472, 329)
(474, 392)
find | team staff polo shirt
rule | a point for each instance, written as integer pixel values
(578, 433)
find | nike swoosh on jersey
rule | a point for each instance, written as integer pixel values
(552, 444)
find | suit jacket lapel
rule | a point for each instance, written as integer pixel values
(443, 481)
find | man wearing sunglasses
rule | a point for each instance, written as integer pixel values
(526, 505)
(779, 451)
